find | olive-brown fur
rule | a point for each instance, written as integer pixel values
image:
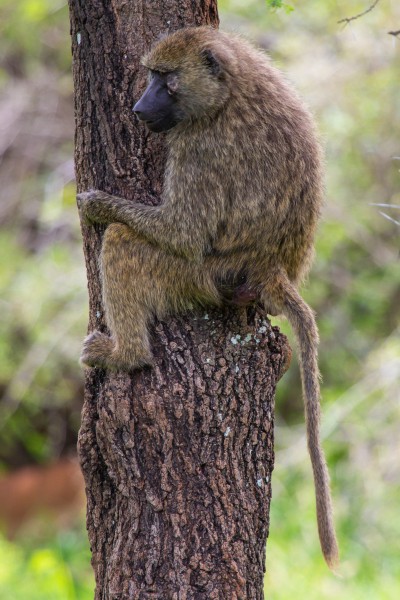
(242, 195)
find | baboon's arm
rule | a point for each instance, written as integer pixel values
(175, 231)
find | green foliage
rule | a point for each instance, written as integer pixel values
(275, 4)
(56, 570)
(43, 317)
(33, 31)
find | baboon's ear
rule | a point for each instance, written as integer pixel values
(212, 62)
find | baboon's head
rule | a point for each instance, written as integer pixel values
(189, 73)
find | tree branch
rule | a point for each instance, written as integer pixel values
(347, 20)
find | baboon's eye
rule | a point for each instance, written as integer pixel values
(172, 83)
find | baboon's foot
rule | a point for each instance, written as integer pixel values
(99, 350)
(96, 350)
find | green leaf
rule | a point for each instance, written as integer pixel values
(276, 4)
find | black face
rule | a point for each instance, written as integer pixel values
(158, 107)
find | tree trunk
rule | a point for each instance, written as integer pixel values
(177, 459)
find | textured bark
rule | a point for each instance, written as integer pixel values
(178, 459)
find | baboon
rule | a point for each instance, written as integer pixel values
(241, 199)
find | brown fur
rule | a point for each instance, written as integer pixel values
(242, 194)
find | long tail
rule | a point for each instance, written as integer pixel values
(301, 318)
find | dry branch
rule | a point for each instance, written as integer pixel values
(347, 20)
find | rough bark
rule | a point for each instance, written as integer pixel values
(178, 459)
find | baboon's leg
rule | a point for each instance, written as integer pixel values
(139, 280)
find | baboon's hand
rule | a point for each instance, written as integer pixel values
(95, 206)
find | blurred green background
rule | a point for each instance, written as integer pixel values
(349, 76)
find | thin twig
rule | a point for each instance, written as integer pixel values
(383, 204)
(349, 19)
(389, 218)
(395, 33)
